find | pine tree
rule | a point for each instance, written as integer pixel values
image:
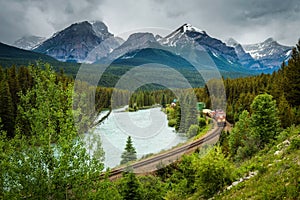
(292, 86)
(14, 87)
(1, 74)
(178, 117)
(130, 153)
(6, 109)
(130, 187)
(239, 133)
(264, 123)
(286, 113)
(163, 101)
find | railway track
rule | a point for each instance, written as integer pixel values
(170, 156)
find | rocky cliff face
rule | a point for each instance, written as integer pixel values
(270, 53)
(74, 43)
(28, 42)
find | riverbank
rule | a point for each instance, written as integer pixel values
(148, 129)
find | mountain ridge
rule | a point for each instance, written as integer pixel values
(91, 42)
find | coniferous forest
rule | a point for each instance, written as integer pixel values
(42, 158)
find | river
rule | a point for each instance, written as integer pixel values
(148, 129)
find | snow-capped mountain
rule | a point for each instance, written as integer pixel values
(103, 49)
(195, 44)
(245, 58)
(91, 42)
(28, 42)
(270, 53)
(74, 43)
(187, 42)
(135, 41)
(188, 34)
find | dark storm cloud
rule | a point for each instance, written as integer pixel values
(247, 21)
(41, 17)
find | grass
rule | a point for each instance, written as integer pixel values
(278, 168)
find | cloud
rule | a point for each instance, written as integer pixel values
(247, 21)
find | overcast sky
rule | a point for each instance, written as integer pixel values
(247, 21)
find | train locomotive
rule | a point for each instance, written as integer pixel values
(218, 115)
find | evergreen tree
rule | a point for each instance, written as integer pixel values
(130, 187)
(286, 113)
(129, 154)
(6, 109)
(14, 87)
(292, 71)
(163, 101)
(178, 117)
(264, 123)
(1, 74)
(239, 133)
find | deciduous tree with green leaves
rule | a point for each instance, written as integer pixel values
(213, 172)
(50, 161)
(239, 133)
(252, 133)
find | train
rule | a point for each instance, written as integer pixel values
(218, 114)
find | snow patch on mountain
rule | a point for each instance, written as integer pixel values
(269, 52)
(28, 42)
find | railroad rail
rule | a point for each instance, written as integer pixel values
(150, 164)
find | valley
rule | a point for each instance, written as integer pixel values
(201, 103)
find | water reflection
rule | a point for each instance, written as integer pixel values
(148, 129)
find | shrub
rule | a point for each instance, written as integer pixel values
(295, 144)
(193, 130)
(201, 122)
(172, 122)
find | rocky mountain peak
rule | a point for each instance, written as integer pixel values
(76, 41)
(28, 42)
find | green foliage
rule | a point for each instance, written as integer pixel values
(35, 166)
(181, 180)
(292, 74)
(285, 112)
(105, 190)
(252, 133)
(264, 119)
(193, 131)
(278, 174)
(240, 132)
(152, 188)
(295, 143)
(178, 117)
(201, 122)
(172, 122)
(213, 172)
(129, 154)
(163, 101)
(130, 187)
(6, 108)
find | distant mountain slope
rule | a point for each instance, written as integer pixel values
(10, 52)
(157, 57)
(29, 42)
(185, 43)
(134, 42)
(245, 58)
(74, 43)
(270, 53)
(10, 55)
(188, 36)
